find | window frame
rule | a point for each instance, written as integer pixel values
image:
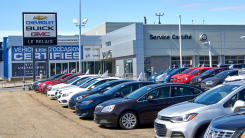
(185, 95)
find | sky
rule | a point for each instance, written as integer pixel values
(100, 11)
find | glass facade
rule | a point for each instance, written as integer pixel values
(72, 65)
(234, 59)
(25, 69)
(128, 68)
(52, 69)
(186, 61)
(147, 66)
(205, 60)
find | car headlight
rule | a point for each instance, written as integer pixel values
(200, 79)
(108, 108)
(183, 118)
(79, 98)
(87, 102)
(184, 78)
(210, 82)
(66, 94)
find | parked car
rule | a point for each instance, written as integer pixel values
(217, 79)
(187, 77)
(59, 92)
(43, 84)
(175, 77)
(228, 126)
(196, 80)
(152, 77)
(65, 79)
(36, 84)
(85, 107)
(66, 95)
(191, 119)
(100, 89)
(173, 72)
(142, 105)
(77, 81)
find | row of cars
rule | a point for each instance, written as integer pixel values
(176, 109)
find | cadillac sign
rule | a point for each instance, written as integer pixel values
(39, 28)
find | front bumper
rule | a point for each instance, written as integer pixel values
(72, 104)
(85, 112)
(51, 94)
(167, 129)
(205, 86)
(110, 119)
(63, 101)
(195, 83)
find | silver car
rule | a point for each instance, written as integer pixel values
(190, 119)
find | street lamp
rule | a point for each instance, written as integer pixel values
(160, 14)
(180, 49)
(84, 22)
(210, 56)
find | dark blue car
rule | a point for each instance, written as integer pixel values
(159, 73)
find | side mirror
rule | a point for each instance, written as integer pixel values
(149, 98)
(238, 105)
(117, 94)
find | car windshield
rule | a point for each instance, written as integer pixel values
(111, 91)
(88, 84)
(186, 71)
(50, 78)
(83, 81)
(193, 72)
(137, 93)
(65, 78)
(71, 80)
(162, 71)
(222, 74)
(208, 72)
(59, 77)
(172, 71)
(215, 95)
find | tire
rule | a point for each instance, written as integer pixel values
(128, 120)
(201, 134)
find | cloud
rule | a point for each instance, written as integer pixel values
(231, 8)
(188, 5)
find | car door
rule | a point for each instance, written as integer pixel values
(148, 109)
(181, 94)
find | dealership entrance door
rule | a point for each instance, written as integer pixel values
(128, 68)
(41, 68)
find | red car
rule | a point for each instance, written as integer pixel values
(42, 85)
(175, 77)
(187, 77)
(65, 79)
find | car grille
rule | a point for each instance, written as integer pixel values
(203, 84)
(98, 108)
(64, 101)
(217, 133)
(160, 130)
(77, 109)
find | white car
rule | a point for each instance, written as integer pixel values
(190, 119)
(73, 82)
(66, 95)
(235, 78)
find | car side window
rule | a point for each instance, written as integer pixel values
(235, 73)
(196, 91)
(143, 97)
(128, 89)
(159, 93)
(100, 82)
(203, 71)
(217, 72)
(182, 91)
(239, 96)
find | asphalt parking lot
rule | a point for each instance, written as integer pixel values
(31, 114)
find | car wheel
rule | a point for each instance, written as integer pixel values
(128, 120)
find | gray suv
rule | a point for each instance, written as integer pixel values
(190, 119)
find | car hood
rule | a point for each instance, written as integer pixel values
(73, 90)
(212, 79)
(92, 97)
(68, 87)
(183, 108)
(115, 101)
(184, 76)
(230, 122)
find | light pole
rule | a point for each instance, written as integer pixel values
(180, 49)
(84, 22)
(160, 14)
(210, 54)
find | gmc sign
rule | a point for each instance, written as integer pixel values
(40, 34)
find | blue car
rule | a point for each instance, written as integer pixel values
(159, 73)
(173, 72)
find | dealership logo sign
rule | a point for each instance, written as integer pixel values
(39, 28)
(167, 37)
(203, 37)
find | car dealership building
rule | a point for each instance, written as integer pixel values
(129, 48)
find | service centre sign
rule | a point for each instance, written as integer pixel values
(39, 28)
(22, 53)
